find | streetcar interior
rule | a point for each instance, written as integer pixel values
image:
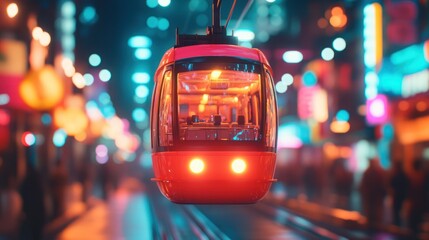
(219, 105)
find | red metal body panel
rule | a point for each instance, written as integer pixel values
(217, 183)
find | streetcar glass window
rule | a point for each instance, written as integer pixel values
(165, 116)
(219, 102)
(271, 120)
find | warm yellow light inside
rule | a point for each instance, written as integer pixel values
(196, 166)
(215, 74)
(238, 165)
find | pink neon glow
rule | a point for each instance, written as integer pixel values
(4, 118)
(376, 108)
(101, 150)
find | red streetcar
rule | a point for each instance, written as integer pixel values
(213, 121)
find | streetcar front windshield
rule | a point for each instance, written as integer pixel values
(219, 102)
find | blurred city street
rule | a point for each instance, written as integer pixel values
(210, 119)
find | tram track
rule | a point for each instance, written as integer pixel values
(181, 221)
(185, 221)
(322, 225)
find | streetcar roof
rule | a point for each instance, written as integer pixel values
(207, 50)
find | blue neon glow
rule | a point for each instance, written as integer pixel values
(411, 59)
(104, 98)
(141, 77)
(152, 3)
(309, 79)
(68, 9)
(163, 24)
(139, 115)
(343, 115)
(59, 138)
(143, 53)
(88, 15)
(139, 42)
(152, 22)
(46, 119)
(142, 91)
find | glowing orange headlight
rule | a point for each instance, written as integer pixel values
(238, 166)
(196, 165)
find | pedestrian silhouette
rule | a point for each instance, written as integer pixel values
(373, 192)
(426, 186)
(10, 207)
(58, 184)
(416, 197)
(399, 184)
(32, 194)
(342, 183)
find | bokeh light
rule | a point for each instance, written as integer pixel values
(45, 39)
(4, 118)
(104, 98)
(78, 80)
(287, 78)
(46, 119)
(105, 75)
(141, 77)
(152, 3)
(94, 60)
(142, 91)
(88, 15)
(281, 87)
(59, 138)
(143, 53)
(4, 99)
(89, 79)
(68, 9)
(140, 41)
(292, 56)
(12, 10)
(339, 44)
(244, 34)
(163, 24)
(28, 139)
(139, 115)
(309, 79)
(152, 22)
(101, 150)
(36, 33)
(164, 3)
(327, 54)
(343, 115)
